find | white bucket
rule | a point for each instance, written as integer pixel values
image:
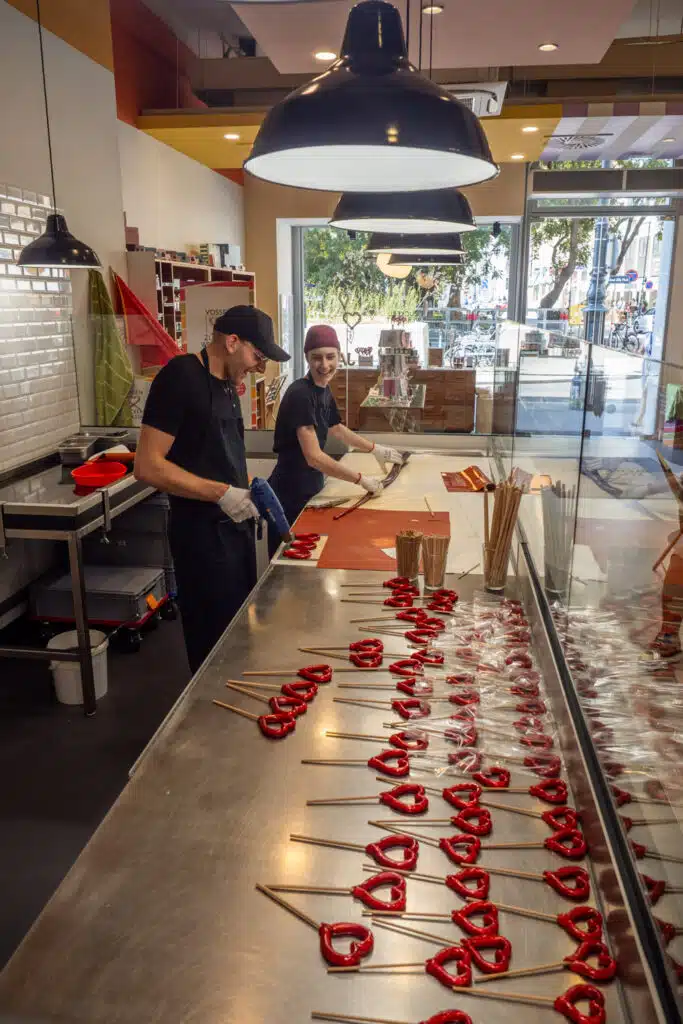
(67, 674)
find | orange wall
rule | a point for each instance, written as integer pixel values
(84, 24)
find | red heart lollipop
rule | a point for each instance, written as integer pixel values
(668, 931)
(606, 967)
(468, 760)
(304, 691)
(418, 805)
(449, 1017)
(477, 908)
(573, 883)
(365, 659)
(494, 777)
(397, 891)
(457, 955)
(461, 679)
(621, 796)
(357, 950)
(546, 766)
(409, 740)
(370, 645)
(452, 848)
(655, 888)
(414, 686)
(552, 791)
(566, 1005)
(522, 689)
(406, 667)
(316, 673)
(409, 845)
(531, 707)
(399, 600)
(276, 726)
(296, 553)
(289, 705)
(537, 741)
(562, 818)
(411, 708)
(476, 821)
(430, 657)
(479, 891)
(397, 581)
(421, 635)
(313, 538)
(528, 722)
(464, 697)
(382, 762)
(502, 951)
(471, 795)
(433, 623)
(466, 737)
(569, 842)
(588, 916)
(414, 615)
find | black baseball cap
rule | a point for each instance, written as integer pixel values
(251, 324)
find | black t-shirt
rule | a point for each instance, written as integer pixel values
(304, 405)
(203, 415)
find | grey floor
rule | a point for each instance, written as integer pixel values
(61, 772)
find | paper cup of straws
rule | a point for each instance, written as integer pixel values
(408, 544)
(434, 554)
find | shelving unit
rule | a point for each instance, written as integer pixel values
(159, 283)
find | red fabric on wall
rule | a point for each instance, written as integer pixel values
(143, 329)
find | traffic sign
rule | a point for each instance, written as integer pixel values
(620, 279)
(649, 284)
(632, 275)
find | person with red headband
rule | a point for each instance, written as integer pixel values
(308, 412)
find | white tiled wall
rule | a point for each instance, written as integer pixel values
(38, 394)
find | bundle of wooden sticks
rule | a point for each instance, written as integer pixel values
(498, 539)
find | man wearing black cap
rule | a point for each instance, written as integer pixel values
(192, 446)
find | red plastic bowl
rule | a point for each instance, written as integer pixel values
(98, 474)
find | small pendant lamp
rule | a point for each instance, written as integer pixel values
(440, 210)
(371, 122)
(56, 247)
(456, 259)
(407, 245)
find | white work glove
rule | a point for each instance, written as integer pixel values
(384, 455)
(237, 504)
(372, 484)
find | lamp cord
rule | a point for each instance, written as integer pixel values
(47, 112)
(408, 28)
(419, 63)
(431, 43)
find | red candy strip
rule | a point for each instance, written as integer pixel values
(449, 1017)
(475, 821)
(298, 554)
(397, 891)
(457, 955)
(502, 951)
(560, 819)
(577, 916)
(382, 762)
(411, 708)
(453, 846)
(409, 846)
(421, 635)
(288, 705)
(277, 725)
(370, 644)
(571, 882)
(365, 659)
(569, 842)
(606, 967)
(494, 777)
(397, 581)
(311, 538)
(552, 791)
(452, 795)
(399, 600)
(409, 741)
(478, 891)
(418, 805)
(357, 950)
(304, 691)
(488, 912)
(566, 1005)
(415, 615)
(316, 673)
(406, 667)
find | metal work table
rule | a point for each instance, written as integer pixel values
(43, 506)
(159, 920)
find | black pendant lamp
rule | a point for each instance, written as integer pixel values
(455, 259)
(407, 245)
(56, 247)
(371, 122)
(440, 210)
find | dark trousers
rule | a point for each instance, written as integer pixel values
(215, 566)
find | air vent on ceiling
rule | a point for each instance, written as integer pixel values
(485, 99)
(578, 141)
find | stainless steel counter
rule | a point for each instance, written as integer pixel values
(159, 921)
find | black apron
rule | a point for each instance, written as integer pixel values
(214, 558)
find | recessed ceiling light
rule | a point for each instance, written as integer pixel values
(517, 156)
(548, 47)
(669, 139)
(432, 9)
(231, 136)
(529, 128)
(325, 55)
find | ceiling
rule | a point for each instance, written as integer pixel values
(489, 33)
(653, 18)
(618, 135)
(200, 134)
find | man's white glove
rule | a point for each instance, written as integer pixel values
(384, 455)
(237, 503)
(372, 484)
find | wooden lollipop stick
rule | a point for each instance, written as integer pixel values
(525, 972)
(373, 705)
(326, 842)
(373, 967)
(343, 800)
(238, 711)
(323, 889)
(258, 686)
(312, 760)
(325, 653)
(247, 693)
(665, 857)
(355, 736)
(654, 821)
(343, 1018)
(513, 846)
(286, 905)
(414, 933)
(515, 997)
(376, 618)
(516, 810)
(405, 832)
(292, 672)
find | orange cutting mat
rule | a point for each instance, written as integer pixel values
(356, 541)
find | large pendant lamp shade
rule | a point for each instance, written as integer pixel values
(406, 245)
(455, 259)
(441, 210)
(56, 247)
(371, 122)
